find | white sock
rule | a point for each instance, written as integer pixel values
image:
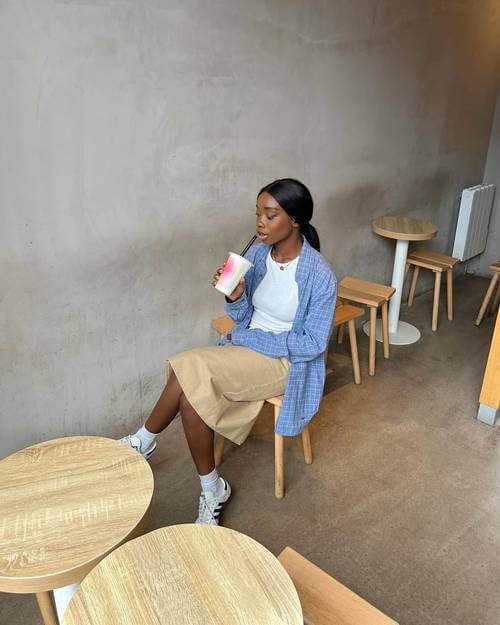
(147, 437)
(210, 481)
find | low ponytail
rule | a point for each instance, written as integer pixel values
(311, 235)
(294, 197)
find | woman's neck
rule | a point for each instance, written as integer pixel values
(288, 249)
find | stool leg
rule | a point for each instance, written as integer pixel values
(385, 330)
(354, 351)
(496, 301)
(373, 332)
(486, 299)
(219, 448)
(279, 464)
(340, 334)
(47, 608)
(306, 444)
(449, 293)
(435, 305)
(411, 294)
(407, 269)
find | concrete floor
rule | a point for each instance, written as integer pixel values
(402, 501)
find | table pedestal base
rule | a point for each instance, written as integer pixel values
(62, 596)
(406, 334)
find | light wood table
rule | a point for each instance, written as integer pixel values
(64, 505)
(403, 230)
(489, 406)
(187, 575)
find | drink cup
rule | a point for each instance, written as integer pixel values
(235, 268)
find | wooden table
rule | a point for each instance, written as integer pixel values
(404, 230)
(187, 575)
(64, 505)
(489, 406)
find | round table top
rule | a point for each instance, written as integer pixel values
(187, 575)
(405, 228)
(64, 504)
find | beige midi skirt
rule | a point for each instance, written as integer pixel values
(227, 385)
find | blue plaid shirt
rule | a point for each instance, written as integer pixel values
(304, 344)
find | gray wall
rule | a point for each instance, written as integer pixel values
(492, 176)
(134, 136)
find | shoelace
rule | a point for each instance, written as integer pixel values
(203, 507)
(202, 504)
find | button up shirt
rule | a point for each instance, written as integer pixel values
(304, 345)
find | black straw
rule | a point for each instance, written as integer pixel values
(248, 245)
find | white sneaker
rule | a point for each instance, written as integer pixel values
(135, 442)
(211, 504)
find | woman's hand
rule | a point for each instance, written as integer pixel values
(238, 291)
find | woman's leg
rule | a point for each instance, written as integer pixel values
(215, 491)
(199, 436)
(163, 413)
(166, 407)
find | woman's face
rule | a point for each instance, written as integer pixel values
(273, 223)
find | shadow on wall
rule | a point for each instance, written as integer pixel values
(354, 249)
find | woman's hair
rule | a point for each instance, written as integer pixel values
(295, 198)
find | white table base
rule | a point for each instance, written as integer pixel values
(62, 596)
(405, 334)
(400, 332)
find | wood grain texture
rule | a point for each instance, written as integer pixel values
(405, 228)
(429, 256)
(354, 352)
(484, 304)
(365, 292)
(345, 313)
(325, 601)
(64, 504)
(490, 390)
(187, 575)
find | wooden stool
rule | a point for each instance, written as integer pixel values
(343, 314)
(437, 263)
(279, 445)
(347, 314)
(373, 295)
(495, 270)
(324, 600)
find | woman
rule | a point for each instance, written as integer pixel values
(283, 310)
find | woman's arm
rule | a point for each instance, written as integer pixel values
(237, 309)
(306, 345)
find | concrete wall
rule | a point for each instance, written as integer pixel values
(492, 176)
(135, 135)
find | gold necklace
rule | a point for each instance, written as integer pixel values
(282, 266)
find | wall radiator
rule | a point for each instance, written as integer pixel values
(473, 219)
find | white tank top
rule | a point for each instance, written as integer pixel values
(276, 299)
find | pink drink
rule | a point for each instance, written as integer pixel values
(235, 268)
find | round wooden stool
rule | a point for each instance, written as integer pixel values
(64, 505)
(187, 575)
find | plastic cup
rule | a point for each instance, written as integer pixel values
(235, 268)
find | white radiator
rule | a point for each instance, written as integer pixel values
(473, 219)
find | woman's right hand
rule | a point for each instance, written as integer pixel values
(238, 291)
